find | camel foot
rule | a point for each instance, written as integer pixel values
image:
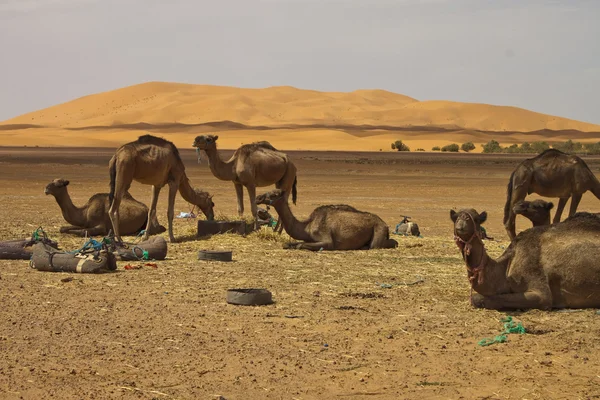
(292, 246)
(477, 300)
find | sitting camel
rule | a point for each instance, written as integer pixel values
(92, 218)
(537, 211)
(331, 227)
(152, 161)
(539, 269)
(252, 165)
(551, 173)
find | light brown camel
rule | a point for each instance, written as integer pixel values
(553, 266)
(92, 218)
(154, 161)
(252, 165)
(551, 173)
(331, 227)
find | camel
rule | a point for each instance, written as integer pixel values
(92, 218)
(551, 173)
(252, 165)
(154, 161)
(543, 267)
(330, 227)
(537, 211)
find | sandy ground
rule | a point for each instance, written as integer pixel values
(167, 333)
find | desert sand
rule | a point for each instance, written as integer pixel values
(290, 118)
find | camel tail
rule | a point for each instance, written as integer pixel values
(294, 191)
(509, 190)
(113, 177)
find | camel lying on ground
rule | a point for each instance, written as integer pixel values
(539, 269)
(92, 218)
(154, 161)
(551, 173)
(252, 165)
(331, 227)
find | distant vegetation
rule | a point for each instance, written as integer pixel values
(569, 146)
(398, 145)
(435, 148)
(451, 147)
(467, 147)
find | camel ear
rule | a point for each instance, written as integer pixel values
(453, 215)
(216, 137)
(549, 206)
(482, 217)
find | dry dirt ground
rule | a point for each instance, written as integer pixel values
(167, 333)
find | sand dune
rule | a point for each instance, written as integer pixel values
(292, 118)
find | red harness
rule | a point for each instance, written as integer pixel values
(465, 248)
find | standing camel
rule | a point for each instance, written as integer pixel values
(331, 227)
(252, 165)
(543, 267)
(154, 161)
(551, 173)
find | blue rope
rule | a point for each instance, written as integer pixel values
(90, 244)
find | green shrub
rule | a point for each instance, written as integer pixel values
(398, 145)
(467, 147)
(451, 147)
(435, 148)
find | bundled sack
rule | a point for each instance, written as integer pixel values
(20, 249)
(46, 258)
(154, 248)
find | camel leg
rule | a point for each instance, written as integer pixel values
(79, 231)
(239, 192)
(575, 199)
(152, 212)
(252, 198)
(309, 246)
(559, 209)
(519, 193)
(514, 301)
(171, 210)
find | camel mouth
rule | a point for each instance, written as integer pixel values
(519, 208)
(46, 191)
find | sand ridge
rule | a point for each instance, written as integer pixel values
(293, 118)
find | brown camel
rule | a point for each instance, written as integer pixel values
(537, 211)
(92, 218)
(331, 227)
(551, 173)
(154, 161)
(543, 267)
(252, 165)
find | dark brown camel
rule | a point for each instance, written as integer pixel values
(539, 269)
(331, 227)
(551, 173)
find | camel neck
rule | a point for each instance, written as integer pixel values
(221, 170)
(295, 228)
(486, 275)
(71, 213)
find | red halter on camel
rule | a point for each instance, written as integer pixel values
(465, 248)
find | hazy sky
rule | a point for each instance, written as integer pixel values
(540, 55)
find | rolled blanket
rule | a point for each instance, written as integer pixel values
(21, 249)
(154, 248)
(46, 258)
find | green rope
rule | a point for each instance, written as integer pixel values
(509, 327)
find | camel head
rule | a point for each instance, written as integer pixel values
(205, 142)
(55, 186)
(537, 211)
(204, 202)
(467, 223)
(270, 198)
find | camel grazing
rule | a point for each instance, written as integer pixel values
(331, 227)
(92, 218)
(551, 173)
(154, 161)
(552, 266)
(252, 165)
(537, 211)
